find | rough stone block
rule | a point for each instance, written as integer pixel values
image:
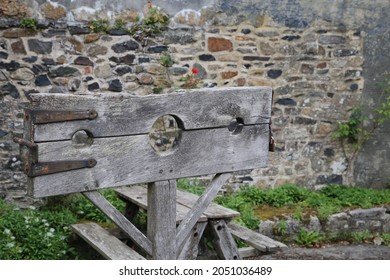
(373, 213)
(219, 44)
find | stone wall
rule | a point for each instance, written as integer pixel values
(315, 60)
(374, 221)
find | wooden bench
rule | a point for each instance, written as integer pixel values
(83, 143)
(217, 217)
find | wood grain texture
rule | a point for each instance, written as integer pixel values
(131, 160)
(120, 220)
(185, 227)
(189, 250)
(125, 114)
(162, 219)
(213, 211)
(105, 243)
(224, 244)
(138, 196)
(261, 242)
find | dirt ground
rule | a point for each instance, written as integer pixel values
(348, 252)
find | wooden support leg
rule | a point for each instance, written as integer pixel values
(223, 241)
(189, 221)
(190, 247)
(162, 219)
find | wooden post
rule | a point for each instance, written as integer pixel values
(162, 219)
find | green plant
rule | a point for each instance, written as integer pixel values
(281, 228)
(119, 24)
(308, 238)
(158, 89)
(386, 238)
(99, 25)
(190, 80)
(298, 213)
(33, 234)
(325, 210)
(29, 23)
(357, 130)
(361, 236)
(166, 60)
(154, 23)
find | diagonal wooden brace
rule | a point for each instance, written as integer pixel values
(120, 220)
(189, 221)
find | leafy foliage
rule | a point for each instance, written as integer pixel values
(32, 234)
(154, 23)
(99, 25)
(29, 23)
(44, 234)
(308, 238)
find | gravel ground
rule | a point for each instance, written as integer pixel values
(348, 252)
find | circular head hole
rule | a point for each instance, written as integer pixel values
(165, 134)
(82, 138)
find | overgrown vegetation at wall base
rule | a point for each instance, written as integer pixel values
(325, 202)
(45, 233)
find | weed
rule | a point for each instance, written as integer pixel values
(298, 213)
(166, 60)
(29, 23)
(33, 234)
(308, 238)
(281, 228)
(157, 90)
(154, 23)
(361, 236)
(99, 25)
(355, 131)
(119, 24)
(386, 238)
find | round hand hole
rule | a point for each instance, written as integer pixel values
(82, 138)
(236, 126)
(165, 134)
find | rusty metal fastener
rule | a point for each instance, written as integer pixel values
(24, 142)
(51, 116)
(46, 168)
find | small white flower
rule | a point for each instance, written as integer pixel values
(63, 252)
(12, 237)
(7, 231)
(43, 220)
(49, 234)
(32, 207)
(10, 245)
(52, 229)
(46, 224)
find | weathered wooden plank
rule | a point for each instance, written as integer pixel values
(261, 242)
(224, 244)
(162, 219)
(134, 234)
(248, 252)
(138, 195)
(189, 251)
(213, 211)
(125, 114)
(131, 160)
(105, 243)
(185, 227)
